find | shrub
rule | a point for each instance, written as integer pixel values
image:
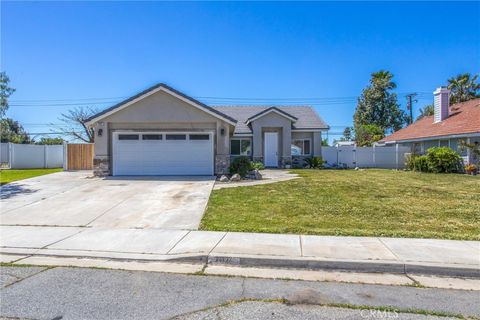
(444, 159)
(257, 165)
(471, 168)
(315, 162)
(417, 163)
(240, 165)
(437, 160)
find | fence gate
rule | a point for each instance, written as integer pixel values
(79, 156)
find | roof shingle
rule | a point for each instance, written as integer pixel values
(464, 118)
(307, 118)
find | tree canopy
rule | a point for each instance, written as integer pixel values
(378, 104)
(426, 111)
(50, 141)
(463, 87)
(12, 131)
(5, 92)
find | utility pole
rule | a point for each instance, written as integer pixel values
(410, 102)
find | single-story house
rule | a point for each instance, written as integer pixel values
(446, 128)
(161, 131)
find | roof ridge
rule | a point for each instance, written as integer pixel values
(263, 105)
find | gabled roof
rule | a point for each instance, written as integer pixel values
(463, 119)
(307, 118)
(270, 110)
(153, 89)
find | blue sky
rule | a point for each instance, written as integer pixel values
(90, 50)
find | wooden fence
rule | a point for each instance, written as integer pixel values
(79, 156)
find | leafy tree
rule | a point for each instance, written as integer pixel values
(426, 111)
(325, 142)
(347, 134)
(378, 105)
(50, 141)
(12, 131)
(5, 92)
(74, 123)
(367, 134)
(463, 87)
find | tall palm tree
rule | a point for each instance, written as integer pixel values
(463, 87)
(426, 111)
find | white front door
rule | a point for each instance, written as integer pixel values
(271, 149)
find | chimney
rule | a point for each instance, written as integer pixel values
(441, 104)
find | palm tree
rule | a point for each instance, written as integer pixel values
(463, 87)
(426, 111)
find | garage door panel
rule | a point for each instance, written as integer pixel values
(163, 157)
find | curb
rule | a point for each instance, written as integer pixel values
(371, 266)
(466, 271)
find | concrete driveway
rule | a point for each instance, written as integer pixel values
(77, 199)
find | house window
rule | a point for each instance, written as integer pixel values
(443, 143)
(128, 137)
(151, 137)
(301, 147)
(240, 147)
(199, 137)
(176, 137)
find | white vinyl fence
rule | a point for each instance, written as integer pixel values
(31, 156)
(365, 157)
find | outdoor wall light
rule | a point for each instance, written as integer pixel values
(100, 132)
(222, 131)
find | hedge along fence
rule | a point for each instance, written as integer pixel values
(365, 157)
(31, 156)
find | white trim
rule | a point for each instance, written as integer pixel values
(127, 104)
(268, 112)
(116, 133)
(242, 135)
(452, 136)
(310, 130)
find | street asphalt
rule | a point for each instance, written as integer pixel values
(270, 310)
(83, 293)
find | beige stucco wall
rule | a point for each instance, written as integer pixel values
(161, 111)
(272, 122)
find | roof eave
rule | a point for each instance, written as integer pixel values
(158, 87)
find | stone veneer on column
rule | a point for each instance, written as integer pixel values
(101, 166)
(222, 164)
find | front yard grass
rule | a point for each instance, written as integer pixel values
(372, 202)
(7, 175)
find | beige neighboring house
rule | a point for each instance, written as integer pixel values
(161, 131)
(448, 127)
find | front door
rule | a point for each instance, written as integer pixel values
(271, 149)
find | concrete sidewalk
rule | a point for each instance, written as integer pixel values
(360, 254)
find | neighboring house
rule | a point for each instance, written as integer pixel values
(446, 128)
(162, 131)
(345, 144)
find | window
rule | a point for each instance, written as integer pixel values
(199, 137)
(240, 147)
(128, 137)
(301, 147)
(176, 137)
(443, 143)
(152, 137)
(460, 147)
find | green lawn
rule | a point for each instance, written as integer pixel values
(7, 176)
(371, 202)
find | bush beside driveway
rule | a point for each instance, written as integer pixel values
(360, 203)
